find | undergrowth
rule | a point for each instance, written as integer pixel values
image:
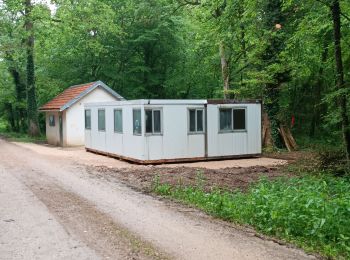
(21, 137)
(310, 211)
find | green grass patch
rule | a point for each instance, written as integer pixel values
(19, 137)
(311, 211)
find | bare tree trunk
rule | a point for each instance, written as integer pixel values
(33, 124)
(225, 70)
(266, 132)
(340, 73)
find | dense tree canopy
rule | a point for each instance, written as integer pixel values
(283, 52)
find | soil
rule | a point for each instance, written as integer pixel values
(291, 156)
(228, 178)
(79, 155)
(56, 205)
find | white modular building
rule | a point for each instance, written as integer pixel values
(160, 131)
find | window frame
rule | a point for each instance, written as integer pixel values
(54, 120)
(132, 116)
(98, 117)
(196, 132)
(161, 120)
(87, 128)
(232, 130)
(114, 119)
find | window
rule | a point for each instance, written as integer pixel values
(136, 118)
(101, 120)
(87, 119)
(118, 121)
(232, 119)
(51, 120)
(196, 120)
(239, 119)
(153, 121)
(225, 119)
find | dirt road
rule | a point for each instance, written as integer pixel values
(54, 209)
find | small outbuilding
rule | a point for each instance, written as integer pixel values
(160, 131)
(65, 113)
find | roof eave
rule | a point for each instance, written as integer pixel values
(90, 89)
(49, 110)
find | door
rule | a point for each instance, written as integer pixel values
(60, 123)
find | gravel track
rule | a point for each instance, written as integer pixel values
(51, 208)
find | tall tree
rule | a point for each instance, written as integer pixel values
(32, 108)
(273, 22)
(336, 12)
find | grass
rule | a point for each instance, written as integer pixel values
(18, 137)
(312, 212)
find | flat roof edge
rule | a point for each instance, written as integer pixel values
(234, 101)
(174, 102)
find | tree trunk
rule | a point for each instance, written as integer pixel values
(274, 14)
(225, 70)
(317, 90)
(32, 113)
(10, 115)
(340, 74)
(267, 140)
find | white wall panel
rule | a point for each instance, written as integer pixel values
(75, 118)
(53, 132)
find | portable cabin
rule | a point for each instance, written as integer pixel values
(159, 131)
(65, 113)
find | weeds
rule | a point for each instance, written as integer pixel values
(21, 137)
(311, 211)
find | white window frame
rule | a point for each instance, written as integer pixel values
(232, 130)
(189, 132)
(115, 130)
(87, 128)
(161, 120)
(132, 116)
(98, 125)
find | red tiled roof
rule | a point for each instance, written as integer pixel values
(65, 97)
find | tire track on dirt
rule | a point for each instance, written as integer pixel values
(93, 227)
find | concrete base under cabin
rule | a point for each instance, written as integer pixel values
(177, 160)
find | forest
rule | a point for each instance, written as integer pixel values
(293, 55)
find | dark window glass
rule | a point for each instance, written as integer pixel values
(225, 119)
(101, 120)
(239, 119)
(136, 115)
(156, 120)
(153, 121)
(118, 121)
(200, 121)
(149, 120)
(192, 120)
(87, 119)
(51, 120)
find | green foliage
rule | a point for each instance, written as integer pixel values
(311, 211)
(6, 132)
(170, 49)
